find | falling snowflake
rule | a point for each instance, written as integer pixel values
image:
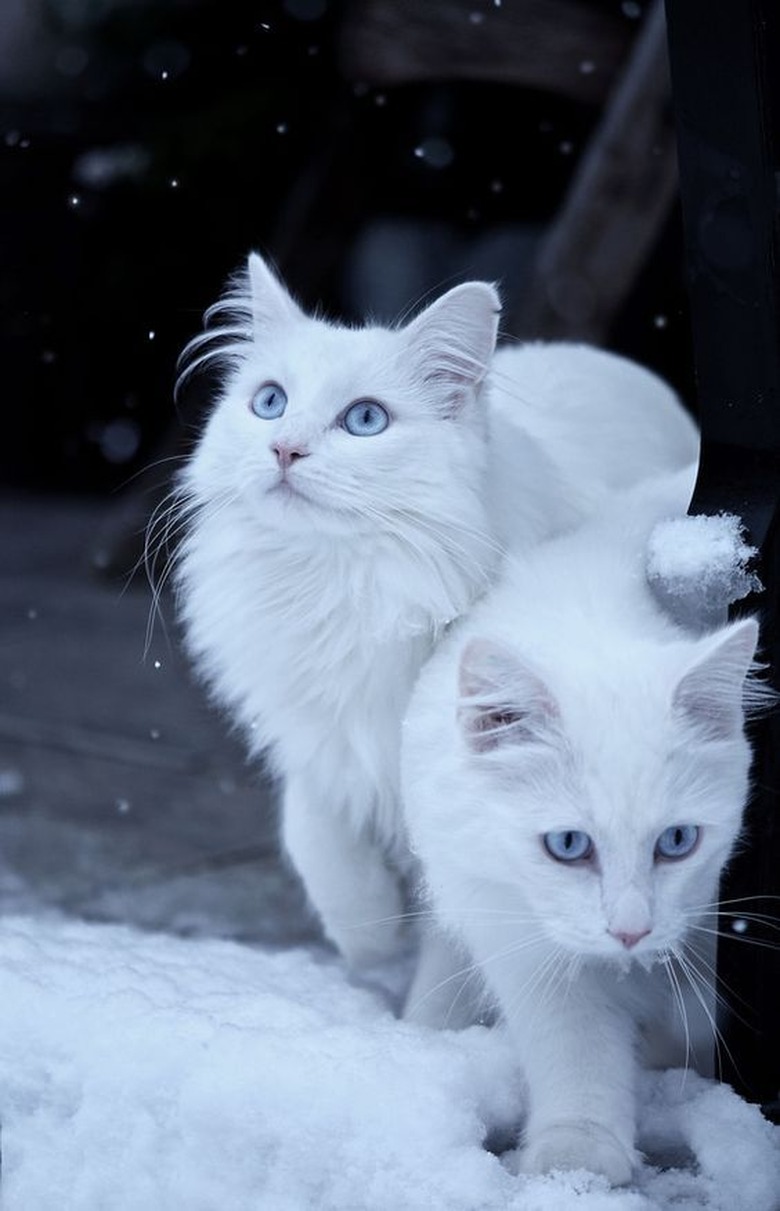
(11, 782)
(435, 152)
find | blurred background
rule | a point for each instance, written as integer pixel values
(377, 150)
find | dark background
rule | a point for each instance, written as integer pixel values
(148, 146)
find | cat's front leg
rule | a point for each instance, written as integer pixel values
(357, 897)
(446, 992)
(576, 1045)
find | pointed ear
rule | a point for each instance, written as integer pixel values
(502, 701)
(452, 342)
(711, 693)
(271, 302)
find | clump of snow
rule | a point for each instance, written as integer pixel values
(700, 565)
(144, 1071)
(716, 1127)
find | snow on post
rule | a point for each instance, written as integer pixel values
(698, 566)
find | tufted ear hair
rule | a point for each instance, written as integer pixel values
(453, 340)
(711, 695)
(271, 302)
(502, 702)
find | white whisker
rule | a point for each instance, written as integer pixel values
(169, 521)
(698, 985)
(741, 938)
(679, 1001)
(465, 977)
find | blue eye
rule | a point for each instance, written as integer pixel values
(269, 402)
(677, 841)
(366, 418)
(568, 846)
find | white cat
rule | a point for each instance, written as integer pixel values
(575, 771)
(338, 517)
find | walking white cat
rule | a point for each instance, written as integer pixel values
(575, 771)
(349, 497)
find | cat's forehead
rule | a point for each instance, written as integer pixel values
(320, 360)
(629, 786)
(619, 746)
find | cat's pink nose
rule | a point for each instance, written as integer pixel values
(629, 940)
(287, 455)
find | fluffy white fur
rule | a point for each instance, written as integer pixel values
(312, 592)
(568, 701)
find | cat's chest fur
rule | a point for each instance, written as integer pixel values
(312, 642)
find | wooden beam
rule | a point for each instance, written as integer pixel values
(612, 215)
(570, 49)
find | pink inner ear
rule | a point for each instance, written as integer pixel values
(502, 701)
(453, 340)
(486, 730)
(710, 694)
(715, 711)
(490, 670)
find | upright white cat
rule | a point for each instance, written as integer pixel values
(348, 498)
(575, 771)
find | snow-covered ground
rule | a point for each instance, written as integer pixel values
(145, 1072)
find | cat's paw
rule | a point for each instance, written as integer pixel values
(579, 1144)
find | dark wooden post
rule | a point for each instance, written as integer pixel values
(614, 209)
(725, 66)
